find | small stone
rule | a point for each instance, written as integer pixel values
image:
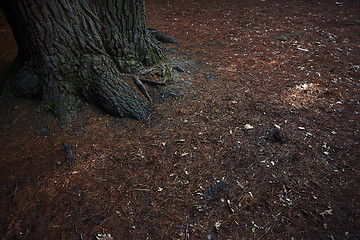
(210, 77)
(248, 127)
(216, 191)
(277, 135)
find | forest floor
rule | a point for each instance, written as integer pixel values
(257, 139)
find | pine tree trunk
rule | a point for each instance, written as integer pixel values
(71, 50)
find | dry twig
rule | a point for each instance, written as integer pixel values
(13, 193)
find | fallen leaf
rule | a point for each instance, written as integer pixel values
(326, 212)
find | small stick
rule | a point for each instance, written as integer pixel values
(16, 188)
(13, 193)
(142, 189)
(186, 231)
(75, 228)
(162, 71)
(141, 87)
(263, 235)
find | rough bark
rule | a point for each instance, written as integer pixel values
(128, 39)
(76, 49)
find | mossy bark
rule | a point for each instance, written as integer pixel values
(71, 50)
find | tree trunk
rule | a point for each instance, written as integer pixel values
(76, 49)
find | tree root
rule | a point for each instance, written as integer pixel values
(145, 75)
(141, 87)
(178, 68)
(147, 71)
(153, 82)
(168, 49)
(162, 37)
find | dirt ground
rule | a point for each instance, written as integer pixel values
(257, 139)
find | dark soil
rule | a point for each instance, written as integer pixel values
(257, 139)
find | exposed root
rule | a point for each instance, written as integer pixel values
(162, 37)
(152, 81)
(141, 87)
(178, 68)
(168, 49)
(160, 73)
(147, 71)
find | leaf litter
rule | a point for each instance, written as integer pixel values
(193, 170)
